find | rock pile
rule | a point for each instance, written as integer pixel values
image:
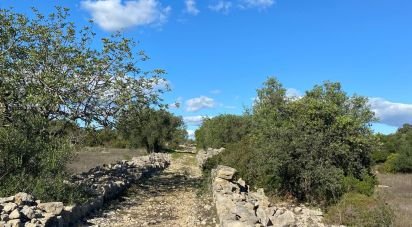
(238, 206)
(203, 155)
(105, 182)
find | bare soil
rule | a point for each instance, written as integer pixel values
(91, 157)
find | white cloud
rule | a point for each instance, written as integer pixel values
(261, 4)
(221, 6)
(191, 7)
(194, 120)
(191, 133)
(112, 15)
(202, 102)
(391, 113)
(293, 93)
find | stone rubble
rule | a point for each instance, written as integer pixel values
(105, 182)
(203, 155)
(238, 206)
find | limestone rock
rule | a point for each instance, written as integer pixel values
(284, 220)
(9, 207)
(28, 212)
(225, 172)
(4, 217)
(55, 208)
(14, 223)
(23, 199)
(15, 214)
(7, 200)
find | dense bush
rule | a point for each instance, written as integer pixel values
(356, 209)
(314, 148)
(222, 130)
(398, 148)
(152, 129)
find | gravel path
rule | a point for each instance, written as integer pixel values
(169, 199)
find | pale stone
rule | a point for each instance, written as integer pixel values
(8, 207)
(225, 172)
(28, 212)
(15, 214)
(53, 207)
(23, 199)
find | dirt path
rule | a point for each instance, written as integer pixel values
(169, 199)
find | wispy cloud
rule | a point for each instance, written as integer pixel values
(202, 102)
(221, 6)
(391, 113)
(293, 93)
(216, 91)
(191, 7)
(112, 15)
(194, 120)
(261, 4)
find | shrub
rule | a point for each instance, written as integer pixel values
(304, 147)
(222, 130)
(390, 165)
(365, 186)
(356, 209)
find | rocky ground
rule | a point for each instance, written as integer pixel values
(169, 199)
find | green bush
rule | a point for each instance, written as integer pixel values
(380, 156)
(356, 209)
(305, 147)
(364, 186)
(222, 130)
(390, 165)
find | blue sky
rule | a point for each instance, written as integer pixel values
(217, 53)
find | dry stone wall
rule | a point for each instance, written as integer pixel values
(106, 182)
(203, 155)
(238, 206)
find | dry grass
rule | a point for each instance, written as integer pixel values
(94, 156)
(398, 195)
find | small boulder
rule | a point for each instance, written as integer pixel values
(23, 199)
(28, 212)
(9, 207)
(283, 220)
(4, 217)
(225, 172)
(262, 214)
(7, 199)
(15, 214)
(54, 208)
(14, 223)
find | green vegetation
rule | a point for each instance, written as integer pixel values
(314, 148)
(222, 130)
(51, 82)
(360, 210)
(153, 129)
(396, 151)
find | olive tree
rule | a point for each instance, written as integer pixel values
(48, 66)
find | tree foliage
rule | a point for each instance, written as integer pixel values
(222, 130)
(306, 147)
(52, 78)
(48, 66)
(396, 150)
(152, 129)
